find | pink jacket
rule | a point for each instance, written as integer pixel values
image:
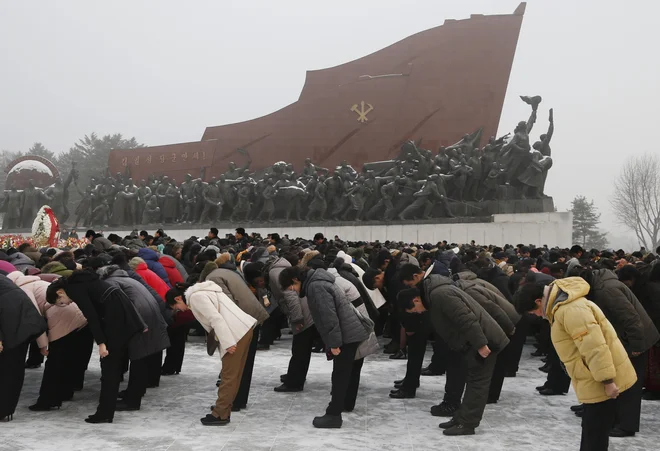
(61, 320)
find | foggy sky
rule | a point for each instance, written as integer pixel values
(164, 70)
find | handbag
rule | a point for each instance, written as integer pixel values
(212, 342)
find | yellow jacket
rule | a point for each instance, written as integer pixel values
(586, 341)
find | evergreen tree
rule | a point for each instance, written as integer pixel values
(40, 150)
(585, 224)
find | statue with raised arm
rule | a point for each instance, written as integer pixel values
(242, 209)
(516, 154)
(311, 169)
(388, 193)
(234, 172)
(213, 203)
(536, 172)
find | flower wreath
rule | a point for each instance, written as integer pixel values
(45, 228)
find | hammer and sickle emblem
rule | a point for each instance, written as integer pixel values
(362, 112)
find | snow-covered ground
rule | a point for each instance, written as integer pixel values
(169, 419)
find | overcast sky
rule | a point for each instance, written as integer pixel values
(163, 70)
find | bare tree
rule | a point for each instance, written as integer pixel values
(636, 199)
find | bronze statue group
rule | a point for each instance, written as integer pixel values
(415, 185)
(594, 316)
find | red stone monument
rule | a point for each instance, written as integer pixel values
(436, 85)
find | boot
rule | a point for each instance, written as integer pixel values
(444, 409)
(459, 429)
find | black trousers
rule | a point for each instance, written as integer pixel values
(345, 380)
(558, 380)
(271, 327)
(12, 374)
(440, 355)
(65, 368)
(137, 382)
(243, 394)
(154, 363)
(517, 343)
(84, 346)
(456, 376)
(177, 349)
(416, 351)
(597, 420)
(301, 354)
(499, 372)
(479, 373)
(629, 403)
(111, 372)
(34, 355)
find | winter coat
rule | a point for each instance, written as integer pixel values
(586, 342)
(101, 243)
(235, 287)
(111, 316)
(648, 294)
(274, 279)
(173, 274)
(56, 268)
(349, 273)
(631, 322)
(177, 264)
(333, 314)
(21, 261)
(6, 267)
(499, 279)
(459, 320)
(151, 258)
(469, 275)
(20, 320)
(61, 320)
(375, 296)
(215, 310)
(481, 295)
(155, 339)
(150, 277)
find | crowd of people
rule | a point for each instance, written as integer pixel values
(594, 316)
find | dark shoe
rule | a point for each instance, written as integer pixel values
(391, 348)
(400, 386)
(510, 374)
(491, 401)
(32, 366)
(43, 407)
(651, 396)
(317, 349)
(579, 413)
(449, 424)
(545, 368)
(459, 429)
(616, 432)
(429, 372)
(550, 392)
(97, 419)
(218, 382)
(283, 378)
(168, 373)
(7, 418)
(123, 406)
(444, 409)
(328, 422)
(348, 409)
(121, 394)
(541, 387)
(401, 394)
(210, 420)
(544, 360)
(399, 355)
(153, 386)
(261, 347)
(577, 408)
(399, 382)
(538, 353)
(286, 389)
(235, 408)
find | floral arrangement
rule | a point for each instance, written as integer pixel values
(45, 228)
(8, 241)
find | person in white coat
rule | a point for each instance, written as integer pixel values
(232, 328)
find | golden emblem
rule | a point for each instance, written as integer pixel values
(361, 111)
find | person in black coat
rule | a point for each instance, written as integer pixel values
(20, 322)
(113, 321)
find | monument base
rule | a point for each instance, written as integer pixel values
(552, 229)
